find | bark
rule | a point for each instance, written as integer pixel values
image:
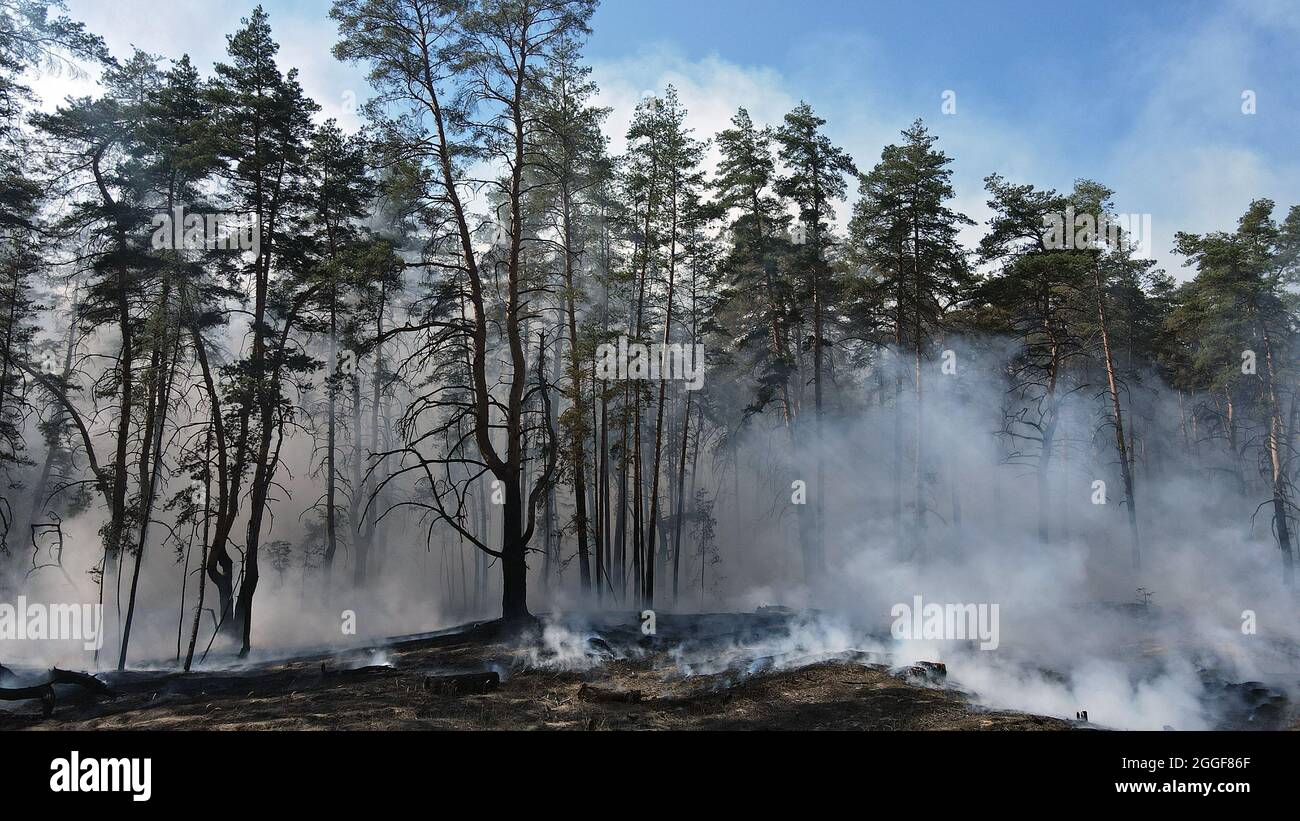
(681, 499)
(331, 432)
(371, 537)
(360, 544)
(219, 566)
(1126, 469)
(895, 361)
(815, 560)
(207, 516)
(577, 455)
(659, 417)
(52, 446)
(114, 532)
(151, 459)
(920, 398)
(600, 489)
(1276, 462)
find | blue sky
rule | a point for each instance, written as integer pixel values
(1143, 96)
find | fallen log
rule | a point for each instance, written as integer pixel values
(589, 692)
(371, 671)
(85, 680)
(463, 683)
(45, 690)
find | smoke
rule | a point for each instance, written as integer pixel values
(1172, 698)
(808, 638)
(566, 648)
(1079, 627)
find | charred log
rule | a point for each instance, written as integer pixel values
(463, 684)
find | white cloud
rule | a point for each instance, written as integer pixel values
(199, 29)
(710, 89)
(1189, 156)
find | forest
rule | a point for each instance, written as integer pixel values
(716, 402)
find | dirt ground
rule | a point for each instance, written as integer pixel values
(727, 671)
(611, 678)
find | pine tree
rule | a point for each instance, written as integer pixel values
(902, 224)
(1038, 294)
(814, 181)
(744, 183)
(570, 158)
(337, 195)
(1242, 286)
(665, 160)
(465, 70)
(262, 127)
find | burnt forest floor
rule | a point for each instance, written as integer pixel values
(482, 676)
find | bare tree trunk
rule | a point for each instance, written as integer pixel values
(1276, 462)
(549, 562)
(52, 446)
(360, 543)
(163, 367)
(815, 563)
(368, 530)
(620, 524)
(577, 454)
(896, 363)
(207, 518)
(659, 417)
(331, 438)
(681, 498)
(219, 566)
(1050, 417)
(918, 465)
(600, 490)
(1126, 470)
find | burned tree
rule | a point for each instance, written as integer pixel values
(458, 75)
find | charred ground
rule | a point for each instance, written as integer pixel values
(607, 676)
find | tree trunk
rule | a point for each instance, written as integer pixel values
(331, 434)
(577, 455)
(1276, 462)
(1126, 469)
(163, 366)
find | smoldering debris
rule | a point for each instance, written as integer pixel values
(707, 666)
(463, 683)
(486, 678)
(51, 687)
